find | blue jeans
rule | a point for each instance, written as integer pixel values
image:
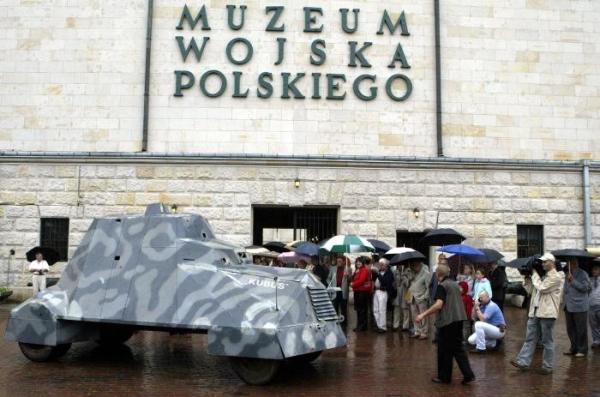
(535, 325)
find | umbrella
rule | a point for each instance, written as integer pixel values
(294, 244)
(442, 237)
(306, 248)
(406, 256)
(292, 257)
(347, 243)
(256, 249)
(523, 263)
(572, 253)
(276, 246)
(380, 246)
(490, 255)
(50, 255)
(395, 251)
(461, 249)
(584, 258)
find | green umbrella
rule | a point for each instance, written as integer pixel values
(347, 243)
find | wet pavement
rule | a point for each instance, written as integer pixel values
(159, 364)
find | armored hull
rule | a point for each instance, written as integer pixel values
(164, 271)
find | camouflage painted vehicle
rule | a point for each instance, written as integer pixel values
(168, 272)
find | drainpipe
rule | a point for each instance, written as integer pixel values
(438, 80)
(147, 76)
(587, 221)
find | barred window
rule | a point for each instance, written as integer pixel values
(54, 233)
(530, 240)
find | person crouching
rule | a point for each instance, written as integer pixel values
(490, 327)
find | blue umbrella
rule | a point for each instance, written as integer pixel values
(310, 249)
(461, 249)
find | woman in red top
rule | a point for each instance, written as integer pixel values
(468, 303)
(361, 285)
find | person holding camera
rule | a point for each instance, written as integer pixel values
(490, 326)
(543, 312)
(39, 267)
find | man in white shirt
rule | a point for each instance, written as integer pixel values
(39, 267)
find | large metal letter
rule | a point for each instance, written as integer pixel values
(354, 54)
(318, 52)
(356, 87)
(401, 21)
(186, 15)
(388, 87)
(179, 85)
(230, 15)
(229, 50)
(277, 11)
(291, 86)
(345, 27)
(221, 89)
(309, 20)
(184, 51)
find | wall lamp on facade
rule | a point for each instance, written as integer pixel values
(174, 208)
(297, 183)
(417, 213)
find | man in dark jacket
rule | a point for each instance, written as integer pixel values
(451, 313)
(577, 303)
(499, 283)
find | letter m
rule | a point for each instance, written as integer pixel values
(186, 16)
(387, 21)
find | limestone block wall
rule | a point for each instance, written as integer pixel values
(71, 75)
(520, 78)
(485, 205)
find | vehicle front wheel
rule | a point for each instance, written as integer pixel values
(41, 353)
(308, 357)
(255, 371)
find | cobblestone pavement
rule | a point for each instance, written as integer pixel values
(158, 364)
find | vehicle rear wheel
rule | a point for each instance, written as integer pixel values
(41, 353)
(113, 335)
(255, 371)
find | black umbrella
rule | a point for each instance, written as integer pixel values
(50, 255)
(526, 265)
(572, 253)
(522, 263)
(276, 246)
(584, 258)
(380, 246)
(406, 256)
(491, 255)
(443, 237)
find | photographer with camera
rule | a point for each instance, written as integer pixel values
(543, 312)
(490, 326)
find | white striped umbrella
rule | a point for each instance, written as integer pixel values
(346, 243)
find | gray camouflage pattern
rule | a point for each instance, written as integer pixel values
(168, 271)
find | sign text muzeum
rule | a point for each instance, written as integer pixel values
(329, 85)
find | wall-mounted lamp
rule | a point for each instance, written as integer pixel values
(297, 183)
(417, 213)
(174, 208)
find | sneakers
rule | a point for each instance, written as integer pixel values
(514, 363)
(477, 351)
(579, 355)
(545, 371)
(569, 353)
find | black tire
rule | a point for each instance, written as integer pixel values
(307, 358)
(61, 350)
(255, 371)
(113, 335)
(41, 353)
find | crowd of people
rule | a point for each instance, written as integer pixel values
(466, 305)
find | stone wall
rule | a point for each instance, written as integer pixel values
(520, 80)
(485, 205)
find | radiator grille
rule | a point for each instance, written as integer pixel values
(322, 305)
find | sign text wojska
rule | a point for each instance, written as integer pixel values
(286, 85)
